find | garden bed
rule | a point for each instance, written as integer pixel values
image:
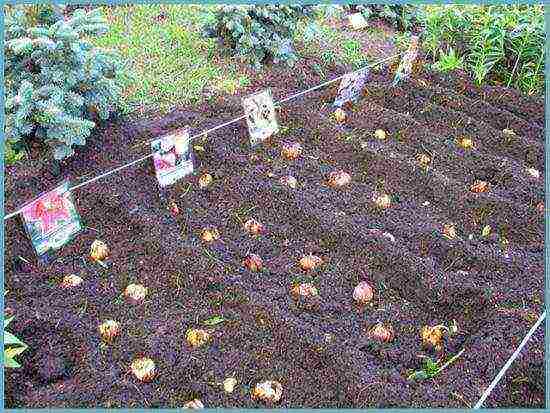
(321, 354)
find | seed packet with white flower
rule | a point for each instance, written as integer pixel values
(51, 220)
(260, 116)
(172, 157)
(351, 86)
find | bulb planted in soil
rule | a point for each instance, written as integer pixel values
(466, 143)
(269, 391)
(338, 179)
(197, 337)
(253, 227)
(193, 404)
(210, 234)
(449, 231)
(144, 369)
(205, 180)
(108, 330)
(432, 337)
(380, 134)
(173, 208)
(304, 290)
(99, 250)
(71, 280)
(289, 181)
(363, 293)
(253, 262)
(339, 115)
(424, 160)
(135, 292)
(291, 151)
(382, 333)
(310, 262)
(382, 201)
(533, 172)
(229, 384)
(479, 186)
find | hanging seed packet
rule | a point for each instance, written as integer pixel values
(51, 220)
(405, 66)
(351, 86)
(260, 116)
(172, 157)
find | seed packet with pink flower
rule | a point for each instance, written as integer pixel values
(172, 157)
(51, 220)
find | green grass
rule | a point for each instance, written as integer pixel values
(169, 61)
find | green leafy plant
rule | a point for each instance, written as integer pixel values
(58, 86)
(448, 61)
(259, 34)
(12, 345)
(500, 44)
(12, 155)
(431, 368)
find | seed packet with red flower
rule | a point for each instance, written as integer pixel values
(51, 220)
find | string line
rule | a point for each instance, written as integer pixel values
(509, 362)
(206, 132)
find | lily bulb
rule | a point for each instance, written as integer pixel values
(254, 227)
(432, 336)
(449, 231)
(382, 201)
(193, 404)
(382, 333)
(205, 180)
(268, 391)
(99, 250)
(144, 369)
(108, 330)
(309, 262)
(135, 292)
(363, 293)
(479, 186)
(210, 234)
(71, 280)
(466, 143)
(533, 172)
(229, 384)
(197, 337)
(339, 115)
(289, 181)
(253, 262)
(304, 290)
(424, 160)
(291, 150)
(380, 134)
(338, 179)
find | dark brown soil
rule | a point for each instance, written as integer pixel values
(421, 278)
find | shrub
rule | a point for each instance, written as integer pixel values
(57, 85)
(503, 44)
(259, 34)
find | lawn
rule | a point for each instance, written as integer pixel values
(171, 63)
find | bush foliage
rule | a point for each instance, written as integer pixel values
(504, 44)
(401, 16)
(57, 84)
(259, 34)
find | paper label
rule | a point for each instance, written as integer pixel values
(260, 116)
(51, 221)
(351, 86)
(172, 157)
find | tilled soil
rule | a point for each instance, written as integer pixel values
(319, 350)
